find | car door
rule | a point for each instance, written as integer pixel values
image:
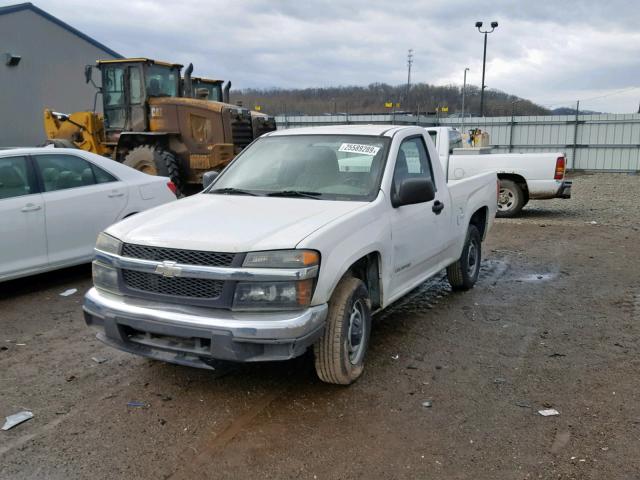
(81, 200)
(23, 241)
(420, 231)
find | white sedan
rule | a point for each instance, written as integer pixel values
(54, 202)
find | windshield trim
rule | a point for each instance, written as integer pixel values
(325, 196)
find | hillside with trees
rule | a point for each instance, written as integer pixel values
(372, 98)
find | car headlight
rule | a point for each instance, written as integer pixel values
(282, 259)
(288, 295)
(105, 277)
(108, 244)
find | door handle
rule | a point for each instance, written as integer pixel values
(438, 206)
(30, 207)
(115, 194)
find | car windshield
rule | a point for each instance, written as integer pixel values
(331, 167)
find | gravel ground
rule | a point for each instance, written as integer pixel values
(553, 322)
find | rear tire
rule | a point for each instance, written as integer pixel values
(511, 199)
(463, 274)
(340, 352)
(156, 161)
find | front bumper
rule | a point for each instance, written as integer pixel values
(197, 336)
(565, 189)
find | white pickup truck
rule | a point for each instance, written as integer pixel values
(295, 244)
(523, 176)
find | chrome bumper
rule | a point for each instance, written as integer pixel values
(197, 336)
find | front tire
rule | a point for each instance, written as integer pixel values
(510, 200)
(463, 274)
(340, 352)
(156, 161)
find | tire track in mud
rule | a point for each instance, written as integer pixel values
(197, 458)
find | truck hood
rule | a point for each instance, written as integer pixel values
(230, 223)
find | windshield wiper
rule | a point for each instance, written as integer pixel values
(233, 191)
(295, 193)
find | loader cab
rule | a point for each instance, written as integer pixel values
(213, 89)
(127, 85)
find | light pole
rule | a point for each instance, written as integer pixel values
(464, 89)
(494, 25)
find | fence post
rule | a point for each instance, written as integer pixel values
(511, 132)
(575, 137)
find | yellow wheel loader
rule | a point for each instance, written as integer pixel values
(149, 123)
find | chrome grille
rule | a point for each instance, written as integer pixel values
(188, 257)
(173, 286)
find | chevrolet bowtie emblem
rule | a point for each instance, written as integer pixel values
(168, 269)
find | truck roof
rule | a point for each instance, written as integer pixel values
(375, 130)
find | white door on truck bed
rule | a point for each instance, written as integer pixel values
(420, 232)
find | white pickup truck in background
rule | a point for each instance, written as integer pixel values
(523, 176)
(294, 245)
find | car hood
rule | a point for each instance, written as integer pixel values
(230, 223)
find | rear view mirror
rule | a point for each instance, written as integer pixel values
(209, 177)
(413, 190)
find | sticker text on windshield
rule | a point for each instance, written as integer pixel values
(359, 148)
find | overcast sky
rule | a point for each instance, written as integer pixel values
(552, 52)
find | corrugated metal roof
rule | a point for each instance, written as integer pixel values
(31, 7)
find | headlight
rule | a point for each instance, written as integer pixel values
(104, 277)
(273, 295)
(282, 259)
(287, 295)
(108, 244)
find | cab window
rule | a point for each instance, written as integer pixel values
(412, 162)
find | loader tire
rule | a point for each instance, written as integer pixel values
(156, 161)
(463, 274)
(511, 199)
(340, 352)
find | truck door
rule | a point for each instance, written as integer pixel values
(420, 232)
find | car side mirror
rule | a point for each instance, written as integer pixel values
(209, 177)
(414, 190)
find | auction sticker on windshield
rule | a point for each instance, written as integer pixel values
(359, 148)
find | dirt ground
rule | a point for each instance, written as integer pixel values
(553, 322)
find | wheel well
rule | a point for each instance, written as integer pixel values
(479, 219)
(367, 269)
(514, 177)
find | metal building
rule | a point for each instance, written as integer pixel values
(42, 63)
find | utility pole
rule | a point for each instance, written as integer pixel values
(494, 25)
(464, 89)
(409, 64)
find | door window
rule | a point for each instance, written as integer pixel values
(60, 172)
(135, 85)
(14, 177)
(413, 162)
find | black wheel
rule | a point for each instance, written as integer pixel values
(463, 274)
(340, 352)
(511, 199)
(156, 161)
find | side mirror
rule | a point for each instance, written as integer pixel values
(209, 177)
(413, 190)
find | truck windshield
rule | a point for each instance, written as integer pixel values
(331, 167)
